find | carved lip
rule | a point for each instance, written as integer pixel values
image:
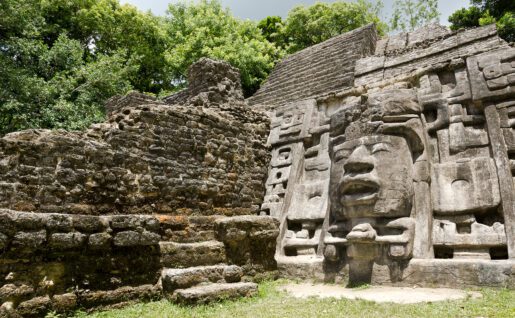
(357, 191)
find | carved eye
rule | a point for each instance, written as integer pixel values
(341, 154)
(380, 147)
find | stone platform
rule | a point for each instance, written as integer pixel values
(418, 272)
(398, 295)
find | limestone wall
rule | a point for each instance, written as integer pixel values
(64, 262)
(319, 69)
(90, 219)
(150, 158)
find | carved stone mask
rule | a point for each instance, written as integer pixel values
(371, 177)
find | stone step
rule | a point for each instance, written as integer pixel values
(187, 229)
(203, 294)
(181, 278)
(177, 255)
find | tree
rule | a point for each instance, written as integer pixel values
(272, 28)
(496, 8)
(53, 87)
(483, 12)
(306, 26)
(109, 27)
(506, 26)
(53, 76)
(409, 15)
(465, 18)
(205, 29)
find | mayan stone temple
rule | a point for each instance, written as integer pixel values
(387, 161)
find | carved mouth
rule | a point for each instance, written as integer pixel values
(358, 191)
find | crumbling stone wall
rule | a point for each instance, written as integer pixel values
(89, 219)
(148, 158)
(63, 262)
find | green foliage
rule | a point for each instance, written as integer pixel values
(205, 29)
(483, 12)
(506, 26)
(61, 59)
(111, 27)
(486, 19)
(306, 26)
(465, 18)
(272, 29)
(411, 14)
(54, 87)
(496, 8)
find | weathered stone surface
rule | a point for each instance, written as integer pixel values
(453, 273)
(29, 240)
(173, 279)
(99, 241)
(110, 206)
(67, 240)
(192, 254)
(64, 303)
(204, 294)
(90, 299)
(36, 307)
(249, 240)
(211, 83)
(414, 160)
(207, 157)
(320, 69)
(182, 229)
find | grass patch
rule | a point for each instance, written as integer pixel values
(271, 302)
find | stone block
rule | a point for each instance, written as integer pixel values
(205, 294)
(133, 238)
(4, 240)
(89, 224)
(173, 279)
(99, 241)
(465, 186)
(29, 240)
(12, 292)
(35, 307)
(7, 225)
(29, 221)
(64, 303)
(98, 298)
(192, 254)
(66, 241)
(59, 223)
(492, 74)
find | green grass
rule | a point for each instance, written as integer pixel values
(270, 302)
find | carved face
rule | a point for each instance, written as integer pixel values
(291, 122)
(372, 177)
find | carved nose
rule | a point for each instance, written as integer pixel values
(359, 161)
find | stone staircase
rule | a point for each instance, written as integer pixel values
(195, 264)
(204, 284)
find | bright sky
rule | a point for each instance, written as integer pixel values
(259, 9)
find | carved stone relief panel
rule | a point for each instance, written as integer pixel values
(309, 204)
(377, 158)
(492, 75)
(465, 186)
(464, 178)
(289, 126)
(291, 122)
